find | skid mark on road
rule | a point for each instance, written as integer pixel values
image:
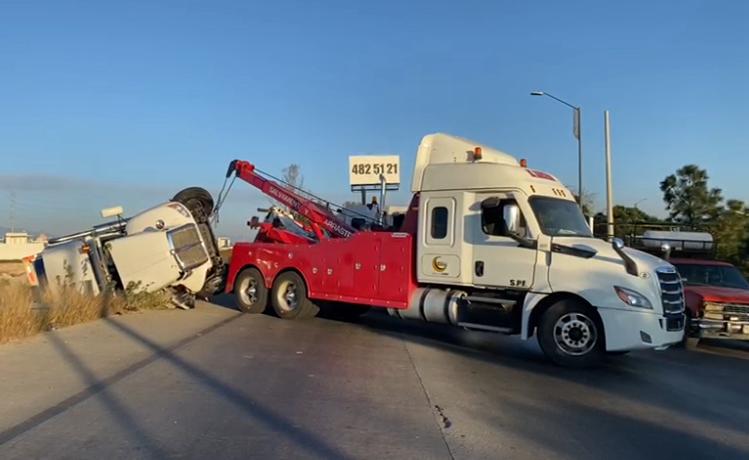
(439, 411)
(446, 423)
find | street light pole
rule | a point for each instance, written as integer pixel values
(577, 131)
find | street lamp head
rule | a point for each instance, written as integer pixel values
(537, 93)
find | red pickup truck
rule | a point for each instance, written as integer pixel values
(717, 299)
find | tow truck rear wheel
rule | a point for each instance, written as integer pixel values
(289, 297)
(571, 335)
(250, 292)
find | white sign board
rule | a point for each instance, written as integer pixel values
(367, 169)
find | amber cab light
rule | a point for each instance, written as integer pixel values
(476, 153)
(523, 163)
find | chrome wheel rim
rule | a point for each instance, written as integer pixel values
(288, 300)
(248, 291)
(575, 334)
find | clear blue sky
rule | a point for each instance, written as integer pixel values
(123, 102)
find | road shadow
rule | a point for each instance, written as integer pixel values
(573, 429)
(99, 388)
(95, 387)
(705, 387)
(225, 301)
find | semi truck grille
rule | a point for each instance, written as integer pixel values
(672, 291)
(675, 322)
(187, 247)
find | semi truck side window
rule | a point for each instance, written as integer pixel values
(439, 222)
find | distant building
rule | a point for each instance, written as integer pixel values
(17, 245)
(223, 242)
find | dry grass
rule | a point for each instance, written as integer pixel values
(11, 269)
(22, 313)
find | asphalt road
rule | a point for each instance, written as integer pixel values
(213, 383)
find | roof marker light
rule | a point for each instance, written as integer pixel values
(523, 163)
(476, 153)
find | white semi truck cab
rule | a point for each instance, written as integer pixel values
(494, 232)
(486, 244)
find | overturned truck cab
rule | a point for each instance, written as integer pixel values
(169, 246)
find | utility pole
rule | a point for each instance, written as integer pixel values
(609, 192)
(577, 131)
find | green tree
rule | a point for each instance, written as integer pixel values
(588, 201)
(732, 231)
(688, 199)
(625, 218)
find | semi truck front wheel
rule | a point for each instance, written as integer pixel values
(571, 335)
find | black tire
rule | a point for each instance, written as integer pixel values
(691, 335)
(198, 201)
(571, 335)
(250, 293)
(289, 297)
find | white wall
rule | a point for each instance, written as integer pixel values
(17, 251)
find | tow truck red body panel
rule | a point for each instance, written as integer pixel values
(368, 268)
(374, 268)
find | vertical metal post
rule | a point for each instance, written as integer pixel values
(363, 196)
(383, 194)
(579, 135)
(609, 192)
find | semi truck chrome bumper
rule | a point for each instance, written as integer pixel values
(634, 330)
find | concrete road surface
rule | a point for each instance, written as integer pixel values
(213, 383)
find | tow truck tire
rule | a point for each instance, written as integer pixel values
(250, 292)
(571, 335)
(289, 297)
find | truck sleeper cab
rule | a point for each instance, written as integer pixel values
(487, 244)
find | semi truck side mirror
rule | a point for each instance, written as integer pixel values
(511, 216)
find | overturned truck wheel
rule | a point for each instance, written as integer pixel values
(250, 292)
(289, 297)
(198, 201)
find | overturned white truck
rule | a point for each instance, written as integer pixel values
(169, 246)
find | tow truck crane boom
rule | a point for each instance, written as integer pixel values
(322, 221)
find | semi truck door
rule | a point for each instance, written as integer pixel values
(498, 259)
(440, 245)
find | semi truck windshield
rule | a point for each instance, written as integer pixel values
(559, 217)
